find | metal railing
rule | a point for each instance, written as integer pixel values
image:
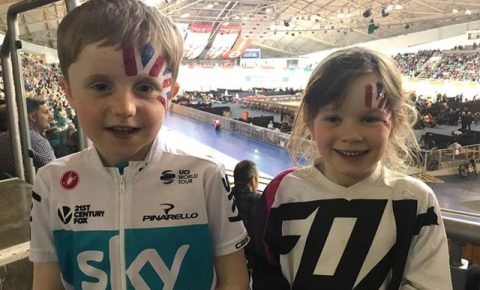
(450, 157)
(14, 86)
(265, 135)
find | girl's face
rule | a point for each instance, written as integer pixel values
(352, 138)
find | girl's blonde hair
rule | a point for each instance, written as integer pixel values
(328, 84)
(120, 24)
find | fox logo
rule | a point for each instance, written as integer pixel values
(65, 214)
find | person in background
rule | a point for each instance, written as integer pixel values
(245, 177)
(7, 164)
(216, 124)
(270, 125)
(469, 121)
(351, 219)
(39, 119)
(134, 211)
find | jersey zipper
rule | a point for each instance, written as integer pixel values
(121, 232)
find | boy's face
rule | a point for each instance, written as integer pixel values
(120, 98)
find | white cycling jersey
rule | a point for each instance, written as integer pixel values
(158, 225)
(384, 232)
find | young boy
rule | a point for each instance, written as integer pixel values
(130, 212)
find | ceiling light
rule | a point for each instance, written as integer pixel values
(398, 7)
(152, 2)
(385, 12)
(268, 10)
(209, 6)
(454, 10)
(185, 15)
(468, 12)
(367, 13)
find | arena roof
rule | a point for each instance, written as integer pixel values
(283, 28)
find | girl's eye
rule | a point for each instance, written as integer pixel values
(332, 119)
(372, 119)
(369, 119)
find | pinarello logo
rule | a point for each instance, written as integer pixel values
(70, 180)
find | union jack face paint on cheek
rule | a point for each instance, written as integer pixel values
(376, 98)
(150, 62)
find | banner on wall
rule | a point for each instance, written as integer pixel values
(224, 40)
(239, 48)
(473, 34)
(196, 39)
(252, 53)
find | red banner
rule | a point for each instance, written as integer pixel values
(224, 40)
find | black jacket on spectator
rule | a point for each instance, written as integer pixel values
(245, 200)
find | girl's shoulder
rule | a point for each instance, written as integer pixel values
(406, 184)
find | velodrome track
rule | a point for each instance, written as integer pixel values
(453, 192)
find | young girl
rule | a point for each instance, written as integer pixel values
(350, 220)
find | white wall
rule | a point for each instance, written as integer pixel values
(203, 79)
(48, 53)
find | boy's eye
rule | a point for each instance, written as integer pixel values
(146, 88)
(100, 87)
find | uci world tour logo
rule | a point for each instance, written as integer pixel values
(65, 214)
(167, 176)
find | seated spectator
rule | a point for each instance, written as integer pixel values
(270, 125)
(62, 140)
(245, 177)
(7, 164)
(39, 118)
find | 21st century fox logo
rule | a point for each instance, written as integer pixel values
(80, 215)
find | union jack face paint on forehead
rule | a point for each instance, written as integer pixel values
(376, 98)
(150, 62)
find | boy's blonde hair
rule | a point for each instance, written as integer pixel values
(118, 23)
(328, 84)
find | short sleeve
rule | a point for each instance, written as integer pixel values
(42, 247)
(226, 227)
(427, 265)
